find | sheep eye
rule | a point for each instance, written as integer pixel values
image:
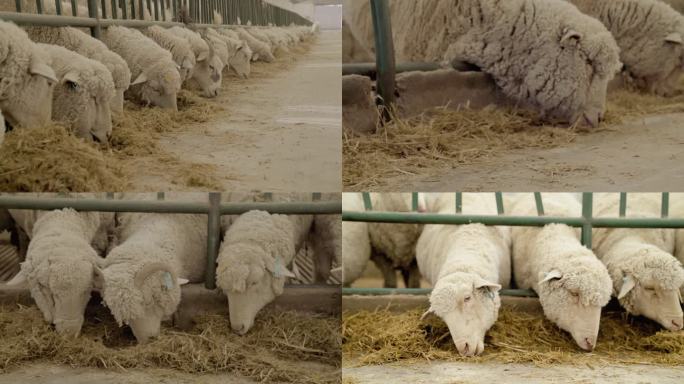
(467, 299)
(73, 86)
(574, 294)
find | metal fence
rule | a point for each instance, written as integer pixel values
(586, 222)
(213, 208)
(130, 13)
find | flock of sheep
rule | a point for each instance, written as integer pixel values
(64, 75)
(554, 56)
(467, 265)
(138, 261)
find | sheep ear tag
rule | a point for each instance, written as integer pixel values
(168, 280)
(182, 281)
(141, 79)
(674, 38)
(628, 283)
(279, 270)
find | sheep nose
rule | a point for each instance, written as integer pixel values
(676, 325)
(589, 344)
(241, 330)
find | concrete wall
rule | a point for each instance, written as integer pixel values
(329, 16)
(304, 9)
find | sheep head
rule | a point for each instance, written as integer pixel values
(469, 305)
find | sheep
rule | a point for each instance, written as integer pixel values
(650, 35)
(206, 72)
(179, 47)
(327, 246)
(62, 267)
(220, 49)
(26, 79)
(261, 50)
(646, 276)
(677, 211)
(253, 262)
(142, 274)
(678, 5)
(543, 54)
(84, 44)
(572, 283)
(356, 248)
(240, 61)
(467, 265)
(2, 128)
(82, 97)
(157, 81)
(394, 244)
(352, 50)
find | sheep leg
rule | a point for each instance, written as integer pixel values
(386, 268)
(23, 243)
(411, 275)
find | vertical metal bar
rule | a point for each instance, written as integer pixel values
(384, 52)
(623, 204)
(316, 196)
(540, 204)
(459, 202)
(587, 212)
(213, 236)
(148, 4)
(367, 201)
(174, 11)
(39, 6)
(115, 11)
(124, 9)
(141, 12)
(414, 201)
(103, 4)
(92, 13)
(665, 205)
(499, 203)
(58, 7)
(156, 10)
(160, 196)
(17, 5)
(74, 8)
(163, 10)
(109, 195)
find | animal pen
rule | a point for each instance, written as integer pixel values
(130, 13)
(586, 222)
(213, 208)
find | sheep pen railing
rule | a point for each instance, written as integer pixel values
(166, 13)
(213, 208)
(586, 222)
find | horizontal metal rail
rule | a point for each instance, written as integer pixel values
(424, 291)
(213, 208)
(370, 69)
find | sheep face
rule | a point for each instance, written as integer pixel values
(186, 66)
(82, 108)
(159, 87)
(116, 104)
(469, 305)
(652, 290)
(240, 62)
(32, 105)
(208, 75)
(571, 301)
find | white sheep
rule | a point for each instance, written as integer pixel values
(61, 266)
(646, 276)
(207, 70)
(650, 35)
(543, 54)
(240, 60)
(220, 50)
(326, 241)
(356, 248)
(677, 211)
(156, 253)
(26, 79)
(86, 45)
(157, 80)
(572, 284)
(179, 47)
(261, 50)
(2, 128)
(83, 93)
(467, 265)
(678, 5)
(253, 262)
(394, 244)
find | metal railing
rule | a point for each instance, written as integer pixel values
(586, 222)
(213, 208)
(130, 13)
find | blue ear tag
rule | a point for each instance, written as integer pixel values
(276, 268)
(490, 294)
(168, 280)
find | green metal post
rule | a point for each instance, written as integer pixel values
(17, 5)
(499, 203)
(384, 52)
(539, 203)
(367, 201)
(414, 201)
(623, 204)
(665, 205)
(103, 4)
(39, 6)
(213, 237)
(74, 8)
(587, 212)
(92, 13)
(459, 202)
(115, 11)
(58, 7)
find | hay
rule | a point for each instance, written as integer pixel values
(273, 351)
(52, 159)
(517, 337)
(443, 138)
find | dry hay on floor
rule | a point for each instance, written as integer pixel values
(443, 138)
(625, 104)
(52, 159)
(277, 349)
(517, 337)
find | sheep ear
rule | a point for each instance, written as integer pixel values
(19, 278)
(427, 313)
(72, 79)
(187, 63)
(182, 281)
(628, 283)
(202, 56)
(287, 273)
(98, 279)
(482, 283)
(571, 36)
(141, 79)
(674, 38)
(44, 70)
(553, 274)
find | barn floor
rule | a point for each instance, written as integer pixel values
(468, 373)
(642, 155)
(279, 132)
